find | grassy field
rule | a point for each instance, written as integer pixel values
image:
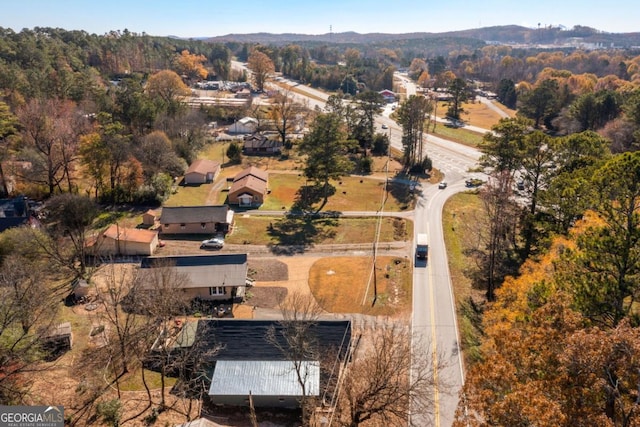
(460, 220)
(475, 114)
(353, 193)
(347, 285)
(459, 135)
(285, 178)
(258, 230)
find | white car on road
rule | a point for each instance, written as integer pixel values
(214, 243)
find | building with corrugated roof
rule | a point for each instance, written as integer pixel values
(254, 356)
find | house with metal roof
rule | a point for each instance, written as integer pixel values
(196, 219)
(254, 357)
(208, 277)
(244, 125)
(249, 187)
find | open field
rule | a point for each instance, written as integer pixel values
(285, 179)
(353, 193)
(347, 285)
(475, 114)
(259, 230)
(459, 135)
(460, 220)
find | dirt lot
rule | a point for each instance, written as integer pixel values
(275, 278)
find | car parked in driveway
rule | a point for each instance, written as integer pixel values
(214, 243)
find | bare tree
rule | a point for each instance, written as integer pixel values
(50, 130)
(296, 340)
(69, 221)
(128, 328)
(27, 313)
(388, 381)
(159, 294)
(284, 112)
(502, 214)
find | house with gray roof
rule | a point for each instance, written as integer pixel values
(258, 144)
(208, 277)
(196, 219)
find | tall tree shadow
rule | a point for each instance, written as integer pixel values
(303, 226)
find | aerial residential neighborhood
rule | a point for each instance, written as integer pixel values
(283, 229)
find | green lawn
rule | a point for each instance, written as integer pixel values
(460, 135)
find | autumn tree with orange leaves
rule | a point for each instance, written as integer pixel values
(190, 65)
(561, 341)
(261, 67)
(544, 364)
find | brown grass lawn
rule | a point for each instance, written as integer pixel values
(476, 114)
(340, 284)
(254, 230)
(353, 193)
(285, 178)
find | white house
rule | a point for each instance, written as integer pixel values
(244, 125)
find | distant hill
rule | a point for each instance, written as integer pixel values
(506, 34)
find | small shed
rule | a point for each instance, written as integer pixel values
(58, 340)
(272, 383)
(244, 125)
(80, 288)
(149, 218)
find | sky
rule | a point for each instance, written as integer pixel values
(207, 18)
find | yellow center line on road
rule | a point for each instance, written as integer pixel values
(434, 351)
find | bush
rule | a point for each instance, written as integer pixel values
(380, 144)
(365, 165)
(110, 411)
(234, 153)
